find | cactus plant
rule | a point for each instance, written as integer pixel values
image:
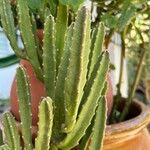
(75, 82)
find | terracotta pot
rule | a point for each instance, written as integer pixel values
(37, 92)
(131, 134)
(109, 96)
(40, 34)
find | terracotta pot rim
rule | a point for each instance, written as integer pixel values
(132, 125)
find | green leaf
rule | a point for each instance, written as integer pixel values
(109, 20)
(34, 4)
(138, 1)
(73, 3)
(126, 15)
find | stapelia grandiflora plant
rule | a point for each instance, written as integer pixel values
(74, 111)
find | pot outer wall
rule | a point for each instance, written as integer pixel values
(131, 134)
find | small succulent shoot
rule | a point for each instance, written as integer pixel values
(49, 56)
(61, 27)
(75, 83)
(24, 100)
(45, 125)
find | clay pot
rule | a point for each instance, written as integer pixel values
(131, 134)
(37, 92)
(40, 34)
(109, 96)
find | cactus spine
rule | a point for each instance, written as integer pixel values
(75, 88)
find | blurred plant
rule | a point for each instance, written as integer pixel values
(126, 17)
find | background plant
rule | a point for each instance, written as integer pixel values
(122, 17)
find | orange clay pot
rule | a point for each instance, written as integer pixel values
(131, 134)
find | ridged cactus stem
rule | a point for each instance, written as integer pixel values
(49, 57)
(24, 99)
(28, 38)
(9, 26)
(45, 124)
(96, 46)
(99, 126)
(59, 110)
(11, 132)
(94, 127)
(77, 68)
(92, 94)
(61, 27)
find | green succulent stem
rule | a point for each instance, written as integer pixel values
(77, 68)
(11, 132)
(61, 27)
(24, 100)
(49, 57)
(42, 141)
(9, 27)
(28, 38)
(93, 90)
